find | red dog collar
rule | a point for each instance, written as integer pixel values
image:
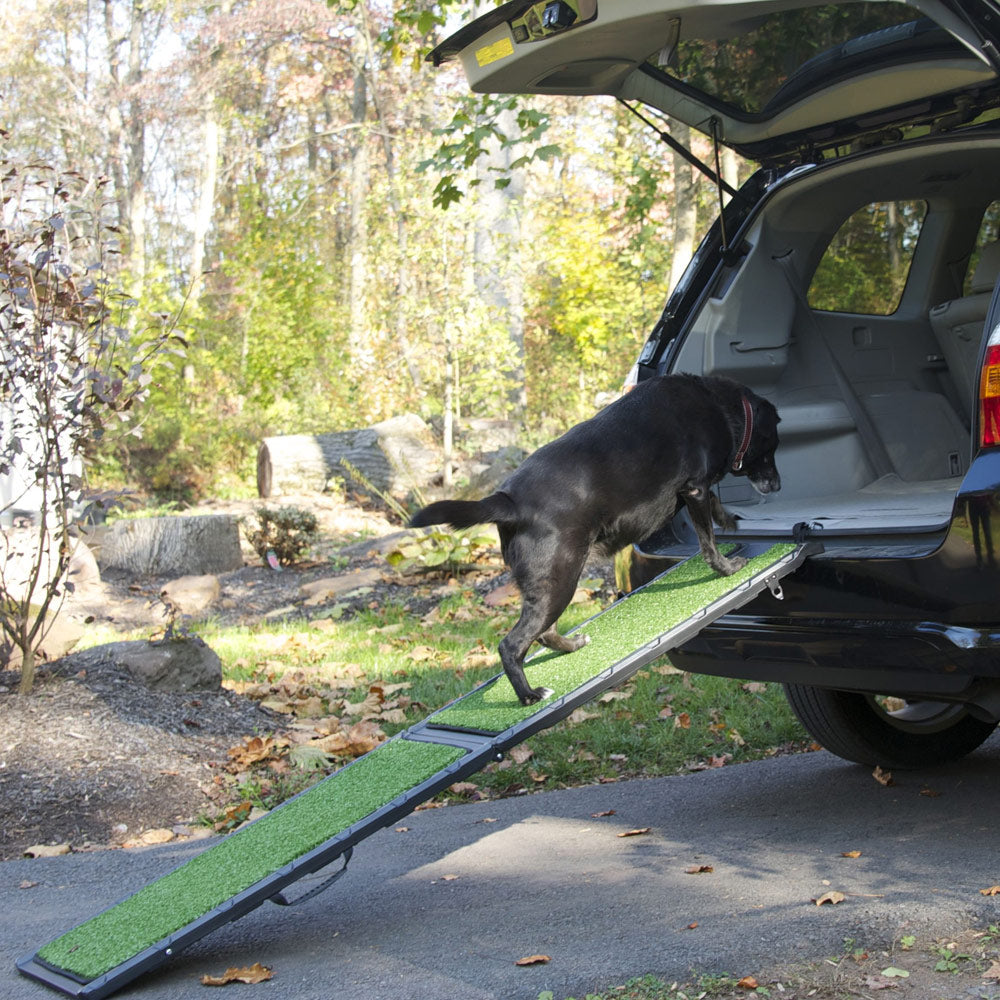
(747, 434)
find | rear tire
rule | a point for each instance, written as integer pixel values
(862, 729)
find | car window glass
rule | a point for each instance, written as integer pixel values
(989, 232)
(781, 57)
(865, 266)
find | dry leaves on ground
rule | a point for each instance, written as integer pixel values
(884, 778)
(833, 897)
(255, 973)
(533, 960)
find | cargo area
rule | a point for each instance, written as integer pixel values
(856, 303)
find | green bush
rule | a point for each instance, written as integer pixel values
(286, 531)
(439, 549)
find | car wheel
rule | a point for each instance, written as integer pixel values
(890, 732)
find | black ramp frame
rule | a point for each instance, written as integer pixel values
(477, 749)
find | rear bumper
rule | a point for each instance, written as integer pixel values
(928, 659)
(894, 616)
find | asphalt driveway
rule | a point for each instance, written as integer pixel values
(445, 907)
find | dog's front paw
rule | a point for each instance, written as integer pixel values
(727, 567)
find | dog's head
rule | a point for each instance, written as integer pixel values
(758, 463)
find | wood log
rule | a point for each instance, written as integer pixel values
(168, 546)
(395, 455)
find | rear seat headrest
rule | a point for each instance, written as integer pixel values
(987, 270)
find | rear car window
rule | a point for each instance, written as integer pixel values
(989, 232)
(865, 267)
(784, 55)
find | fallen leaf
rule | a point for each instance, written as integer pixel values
(506, 594)
(993, 890)
(27, 884)
(930, 793)
(253, 750)
(691, 926)
(993, 972)
(234, 816)
(533, 960)
(448, 878)
(359, 739)
(755, 687)
(521, 754)
(882, 777)
(255, 973)
(474, 660)
(833, 897)
(581, 715)
(748, 983)
(880, 983)
(610, 696)
(850, 854)
(665, 669)
(607, 812)
(149, 837)
(402, 829)
(420, 654)
(699, 870)
(46, 850)
(463, 788)
(635, 833)
(894, 973)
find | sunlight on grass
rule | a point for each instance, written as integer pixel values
(332, 672)
(660, 722)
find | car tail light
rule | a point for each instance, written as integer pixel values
(989, 394)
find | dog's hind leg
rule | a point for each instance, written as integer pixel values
(547, 580)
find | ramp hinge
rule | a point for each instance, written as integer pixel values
(774, 585)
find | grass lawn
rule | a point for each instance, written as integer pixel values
(386, 668)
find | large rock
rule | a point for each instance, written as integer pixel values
(174, 664)
(190, 595)
(168, 546)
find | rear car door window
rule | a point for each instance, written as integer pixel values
(865, 267)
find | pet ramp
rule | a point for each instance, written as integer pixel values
(308, 833)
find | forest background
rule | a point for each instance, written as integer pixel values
(337, 231)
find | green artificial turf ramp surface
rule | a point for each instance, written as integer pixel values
(245, 857)
(625, 626)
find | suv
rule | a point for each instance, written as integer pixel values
(850, 281)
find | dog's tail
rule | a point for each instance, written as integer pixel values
(497, 508)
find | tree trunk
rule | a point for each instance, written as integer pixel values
(136, 137)
(165, 546)
(206, 200)
(361, 353)
(685, 206)
(403, 284)
(393, 456)
(495, 252)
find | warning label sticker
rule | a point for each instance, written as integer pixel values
(491, 53)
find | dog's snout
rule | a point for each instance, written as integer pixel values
(766, 484)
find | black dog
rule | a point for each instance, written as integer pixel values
(611, 481)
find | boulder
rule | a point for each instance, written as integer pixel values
(190, 595)
(183, 663)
